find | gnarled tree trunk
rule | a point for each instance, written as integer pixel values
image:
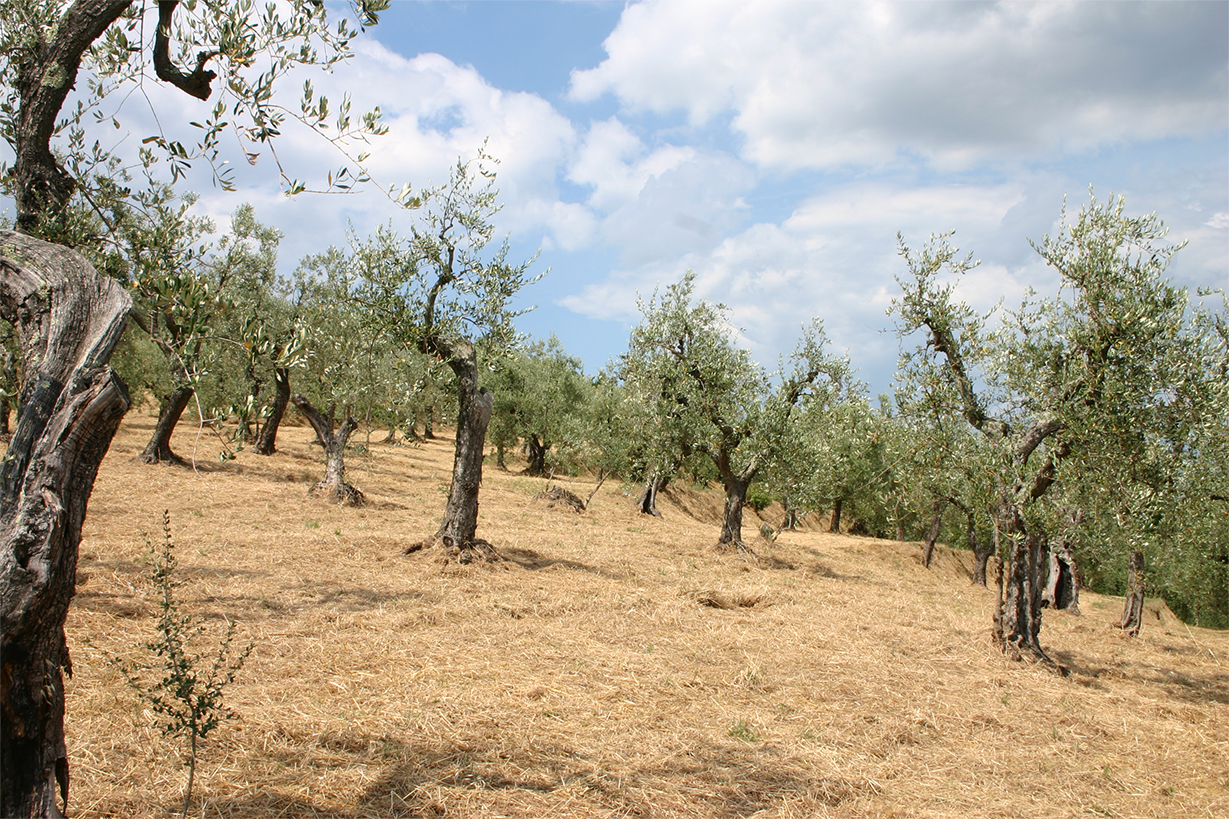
(732, 520)
(266, 442)
(457, 532)
(334, 487)
(536, 452)
(158, 450)
(1062, 590)
(1133, 606)
(68, 320)
(981, 552)
(1017, 616)
(648, 500)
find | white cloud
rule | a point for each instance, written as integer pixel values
(829, 84)
(834, 257)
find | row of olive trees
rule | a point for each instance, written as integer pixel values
(66, 319)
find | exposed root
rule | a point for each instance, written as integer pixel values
(1033, 654)
(742, 550)
(476, 552)
(343, 493)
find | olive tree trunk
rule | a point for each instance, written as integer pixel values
(736, 484)
(732, 518)
(652, 487)
(334, 487)
(834, 525)
(1133, 606)
(1062, 589)
(457, 532)
(1017, 616)
(266, 442)
(68, 320)
(536, 451)
(158, 450)
(932, 535)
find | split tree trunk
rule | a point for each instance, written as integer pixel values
(648, 500)
(158, 450)
(68, 320)
(1133, 606)
(266, 442)
(457, 532)
(536, 452)
(1062, 589)
(334, 487)
(1017, 616)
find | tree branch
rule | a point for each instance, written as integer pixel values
(198, 82)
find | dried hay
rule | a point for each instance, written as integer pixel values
(584, 679)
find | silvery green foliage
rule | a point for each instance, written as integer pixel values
(1116, 374)
(251, 47)
(695, 393)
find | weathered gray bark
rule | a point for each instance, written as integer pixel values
(736, 484)
(457, 532)
(266, 442)
(1017, 616)
(334, 487)
(1133, 605)
(732, 519)
(158, 450)
(68, 320)
(1062, 590)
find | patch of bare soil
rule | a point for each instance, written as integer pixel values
(614, 664)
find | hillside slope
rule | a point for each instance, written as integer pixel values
(616, 665)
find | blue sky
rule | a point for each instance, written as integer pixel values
(776, 148)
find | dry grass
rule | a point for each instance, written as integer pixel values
(616, 665)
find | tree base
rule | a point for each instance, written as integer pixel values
(343, 493)
(1026, 652)
(166, 457)
(737, 547)
(445, 550)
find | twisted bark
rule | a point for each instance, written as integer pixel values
(68, 320)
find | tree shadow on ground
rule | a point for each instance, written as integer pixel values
(533, 561)
(426, 779)
(1193, 688)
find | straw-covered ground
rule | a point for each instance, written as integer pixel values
(615, 665)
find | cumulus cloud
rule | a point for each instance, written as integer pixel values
(818, 85)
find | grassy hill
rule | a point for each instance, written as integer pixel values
(615, 665)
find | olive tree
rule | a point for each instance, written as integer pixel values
(442, 291)
(1060, 379)
(712, 398)
(68, 320)
(541, 398)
